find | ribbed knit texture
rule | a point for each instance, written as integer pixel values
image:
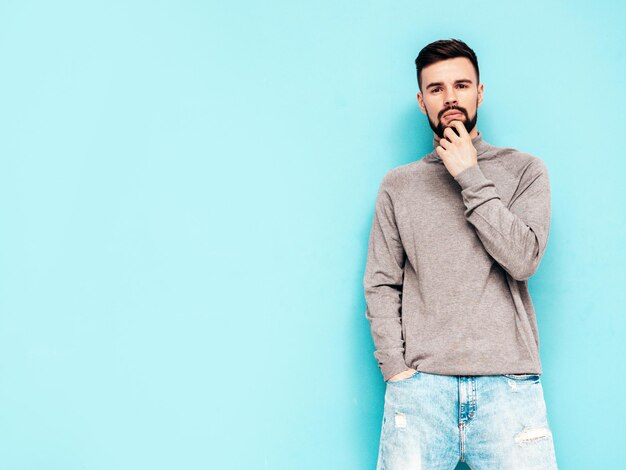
(448, 262)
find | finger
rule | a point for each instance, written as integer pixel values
(450, 134)
(461, 128)
(445, 143)
(441, 151)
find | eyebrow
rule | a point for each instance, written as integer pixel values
(462, 80)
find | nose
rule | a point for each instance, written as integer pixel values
(450, 98)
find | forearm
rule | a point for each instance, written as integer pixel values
(516, 238)
(384, 314)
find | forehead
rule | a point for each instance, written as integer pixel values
(448, 70)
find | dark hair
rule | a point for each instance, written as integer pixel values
(442, 50)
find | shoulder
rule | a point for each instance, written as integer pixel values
(398, 177)
(519, 162)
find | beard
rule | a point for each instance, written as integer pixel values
(467, 122)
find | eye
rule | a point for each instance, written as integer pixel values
(463, 85)
(435, 89)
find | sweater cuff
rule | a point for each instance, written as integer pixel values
(470, 177)
(393, 367)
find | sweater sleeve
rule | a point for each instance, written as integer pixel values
(515, 236)
(383, 280)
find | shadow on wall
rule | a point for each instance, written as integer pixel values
(461, 466)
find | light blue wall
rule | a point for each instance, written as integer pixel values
(186, 192)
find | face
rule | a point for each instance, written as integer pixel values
(447, 85)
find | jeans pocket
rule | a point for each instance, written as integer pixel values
(522, 377)
(407, 379)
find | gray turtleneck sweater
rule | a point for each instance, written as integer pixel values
(448, 262)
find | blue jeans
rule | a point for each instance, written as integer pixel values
(490, 422)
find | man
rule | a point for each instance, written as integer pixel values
(454, 239)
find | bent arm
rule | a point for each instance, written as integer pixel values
(515, 236)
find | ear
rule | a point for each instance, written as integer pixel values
(420, 101)
(481, 90)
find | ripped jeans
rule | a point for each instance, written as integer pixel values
(490, 422)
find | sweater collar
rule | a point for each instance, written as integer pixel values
(479, 144)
